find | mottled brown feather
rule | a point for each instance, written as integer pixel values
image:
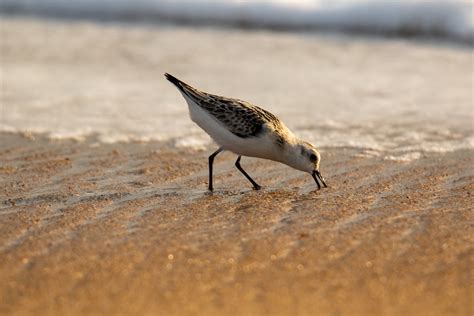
(242, 118)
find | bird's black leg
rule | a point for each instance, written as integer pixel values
(211, 161)
(255, 185)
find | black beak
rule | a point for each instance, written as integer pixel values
(317, 176)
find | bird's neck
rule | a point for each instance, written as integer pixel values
(292, 153)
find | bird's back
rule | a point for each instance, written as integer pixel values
(241, 118)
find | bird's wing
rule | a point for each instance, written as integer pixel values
(240, 117)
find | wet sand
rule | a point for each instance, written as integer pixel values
(128, 229)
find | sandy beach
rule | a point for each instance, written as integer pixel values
(129, 229)
(103, 201)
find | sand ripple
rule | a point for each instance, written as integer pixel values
(130, 228)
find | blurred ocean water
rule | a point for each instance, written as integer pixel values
(439, 18)
(400, 98)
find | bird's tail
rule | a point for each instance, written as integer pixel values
(186, 89)
(178, 83)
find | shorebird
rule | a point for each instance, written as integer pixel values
(248, 130)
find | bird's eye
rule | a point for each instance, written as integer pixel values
(312, 157)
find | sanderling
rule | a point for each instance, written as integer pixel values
(248, 130)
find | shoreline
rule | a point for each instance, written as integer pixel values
(117, 89)
(129, 228)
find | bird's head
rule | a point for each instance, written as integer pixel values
(306, 158)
